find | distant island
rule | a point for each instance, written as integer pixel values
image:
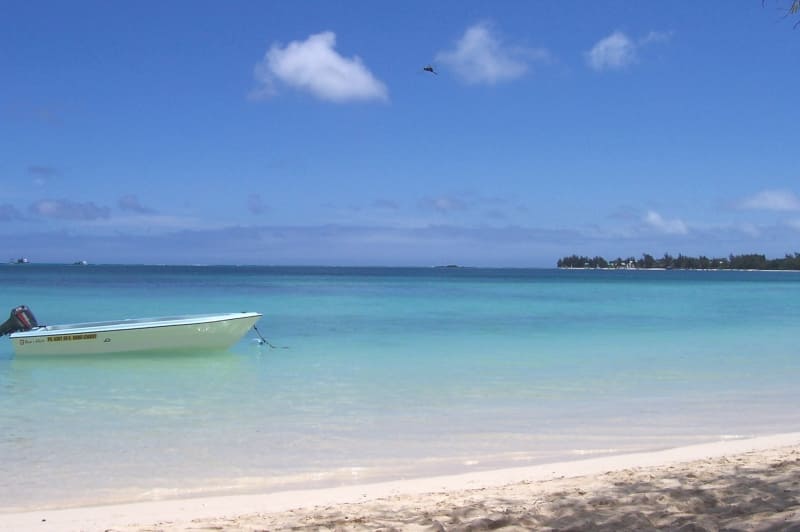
(752, 261)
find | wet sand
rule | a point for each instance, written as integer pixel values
(732, 485)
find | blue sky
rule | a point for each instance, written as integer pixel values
(307, 132)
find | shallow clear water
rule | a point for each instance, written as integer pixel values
(389, 373)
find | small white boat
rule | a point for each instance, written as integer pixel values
(172, 333)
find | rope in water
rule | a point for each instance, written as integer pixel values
(263, 340)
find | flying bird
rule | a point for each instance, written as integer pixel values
(429, 68)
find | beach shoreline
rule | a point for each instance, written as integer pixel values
(412, 503)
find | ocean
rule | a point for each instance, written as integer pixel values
(386, 373)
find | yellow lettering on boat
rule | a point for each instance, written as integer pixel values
(71, 337)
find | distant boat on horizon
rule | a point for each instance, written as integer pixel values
(21, 260)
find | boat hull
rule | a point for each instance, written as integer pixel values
(168, 334)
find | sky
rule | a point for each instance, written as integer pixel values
(308, 132)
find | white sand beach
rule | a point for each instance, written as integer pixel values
(749, 484)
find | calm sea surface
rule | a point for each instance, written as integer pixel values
(389, 373)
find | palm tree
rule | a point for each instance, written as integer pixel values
(794, 9)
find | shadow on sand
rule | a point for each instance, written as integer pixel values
(735, 493)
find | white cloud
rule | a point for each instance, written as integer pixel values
(772, 200)
(444, 204)
(130, 203)
(670, 227)
(655, 37)
(618, 51)
(315, 66)
(148, 223)
(614, 52)
(69, 210)
(750, 229)
(480, 57)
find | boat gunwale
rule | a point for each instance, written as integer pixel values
(132, 324)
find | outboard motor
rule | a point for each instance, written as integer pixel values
(21, 319)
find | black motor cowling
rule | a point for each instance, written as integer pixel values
(21, 319)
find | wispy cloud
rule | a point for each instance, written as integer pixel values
(469, 207)
(618, 51)
(31, 112)
(255, 204)
(165, 239)
(662, 225)
(749, 229)
(772, 200)
(9, 213)
(41, 174)
(68, 210)
(464, 207)
(386, 205)
(153, 223)
(614, 52)
(318, 244)
(444, 204)
(655, 37)
(130, 203)
(479, 56)
(42, 171)
(316, 67)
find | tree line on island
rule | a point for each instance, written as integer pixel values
(751, 261)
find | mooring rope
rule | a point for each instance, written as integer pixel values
(263, 341)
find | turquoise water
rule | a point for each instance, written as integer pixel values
(389, 373)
